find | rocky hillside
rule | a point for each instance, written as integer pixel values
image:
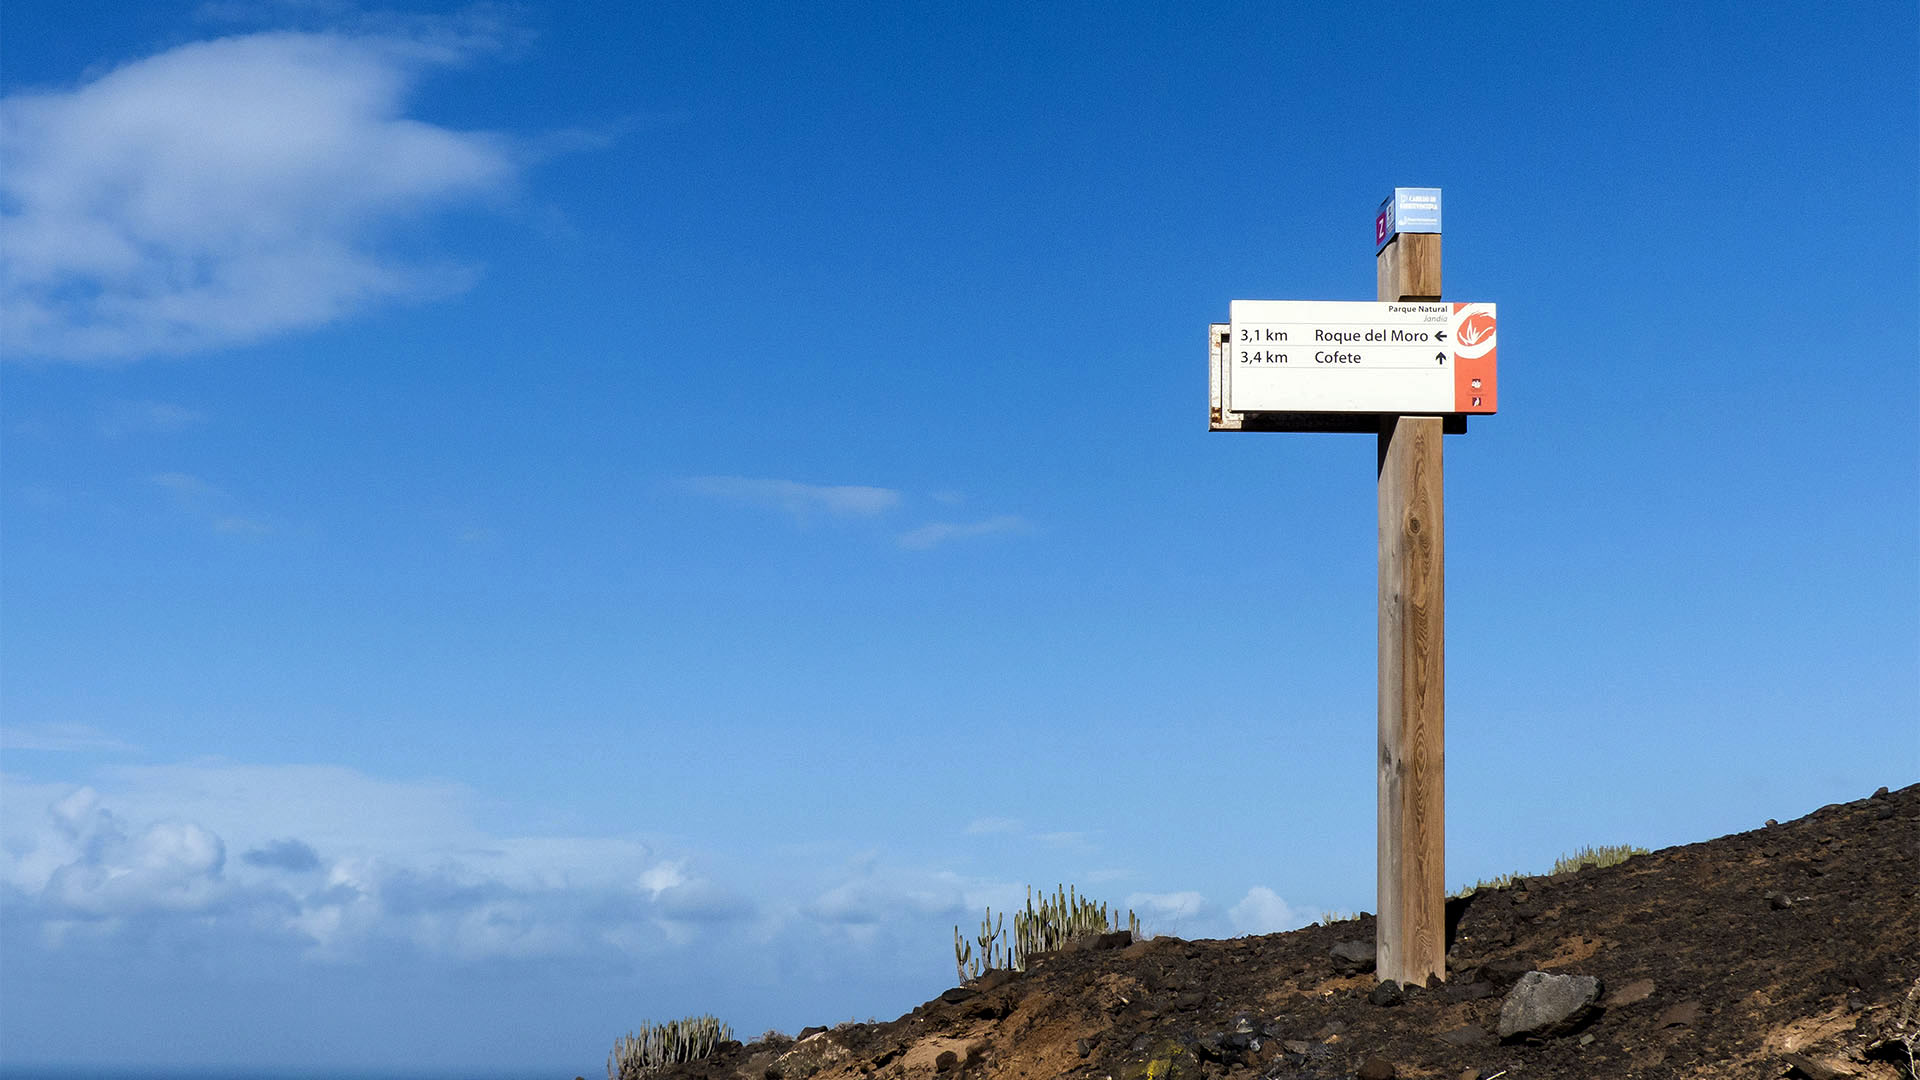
(1792, 950)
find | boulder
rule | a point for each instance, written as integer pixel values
(1353, 957)
(1543, 1005)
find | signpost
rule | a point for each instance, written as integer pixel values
(1408, 369)
(1348, 357)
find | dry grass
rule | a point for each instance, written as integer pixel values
(1580, 859)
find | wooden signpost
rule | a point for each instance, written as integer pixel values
(1409, 369)
(1410, 934)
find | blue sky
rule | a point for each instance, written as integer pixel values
(522, 520)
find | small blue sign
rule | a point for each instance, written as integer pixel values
(1409, 210)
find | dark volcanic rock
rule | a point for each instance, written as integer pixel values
(1353, 957)
(1471, 1035)
(1837, 966)
(1507, 971)
(1376, 1068)
(1469, 991)
(995, 979)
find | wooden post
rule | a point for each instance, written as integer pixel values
(1410, 937)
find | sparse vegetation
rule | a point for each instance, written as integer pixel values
(652, 1048)
(1064, 917)
(1607, 855)
(1581, 859)
(992, 942)
(1695, 930)
(1498, 881)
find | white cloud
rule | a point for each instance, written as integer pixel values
(1189, 913)
(336, 863)
(936, 533)
(65, 738)
(282, 874)
(337, 810)
(170, 866)
(1067, 838)
(990, 826)
(123, 418)
(225, 191)
(805, 502)
(660, 878)
(235, 525)
(322, 884)
(1186, 914)
(877, 898)
(801, 500)
(702, 901)
(203, 498)
(1262, 911)
(185, 486)
(85, 862)
(1172, 907)
(852, 903)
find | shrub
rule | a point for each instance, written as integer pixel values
(1605, 855)
(1608, 855)
(636, 1055)
(1498, 881)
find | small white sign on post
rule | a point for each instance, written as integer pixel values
(1336, 356)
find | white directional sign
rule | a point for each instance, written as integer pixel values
(1335, 356)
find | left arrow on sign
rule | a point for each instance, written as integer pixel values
(1440, 335)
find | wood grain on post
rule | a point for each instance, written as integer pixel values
(1410, 936)
(1408, 268)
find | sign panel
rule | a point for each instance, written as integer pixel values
(1337, 356)
(1408, 210)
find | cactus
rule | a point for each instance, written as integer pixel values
(1066, 916)
(656, 1047)
(993, 952)
(991, 939)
